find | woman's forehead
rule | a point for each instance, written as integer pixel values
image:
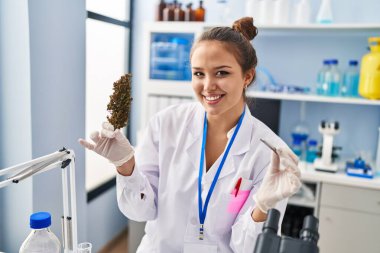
(212, 49)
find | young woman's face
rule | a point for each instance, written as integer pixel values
(217, 78)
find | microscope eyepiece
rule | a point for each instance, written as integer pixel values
(272, 220)
(309, 231)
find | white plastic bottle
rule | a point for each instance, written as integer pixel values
(41, 239)
(223, 11)
(252, 9)
(325, 15)
(281, 10)
(302, 12)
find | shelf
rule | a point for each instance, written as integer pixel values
(184, 89)
(164, 26)
(342, 26)
(169, 88)
(311, 98)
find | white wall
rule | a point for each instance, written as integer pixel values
(42, 76)
(57, 63)
(15, 120)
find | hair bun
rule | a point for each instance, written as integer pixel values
(245, 27)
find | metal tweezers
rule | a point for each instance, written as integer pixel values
(269, 145)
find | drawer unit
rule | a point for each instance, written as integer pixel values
(352, 198)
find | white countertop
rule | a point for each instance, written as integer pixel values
(309, 174)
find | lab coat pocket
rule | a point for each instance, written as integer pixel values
(230, 208)
(237, 202)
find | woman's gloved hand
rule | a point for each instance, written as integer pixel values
(111, 144)
(282, 180)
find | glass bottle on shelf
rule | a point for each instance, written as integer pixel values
(168, 13)
(160, 10)
(200, 12)
(312, 151)
(179, 13)
(325, 15)
(297, 147)
(300, 133)
(334, 82)
(322, 86)
(350, 85)
(189, 12)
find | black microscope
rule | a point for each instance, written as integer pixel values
(269, 242)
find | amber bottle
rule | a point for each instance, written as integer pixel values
(168, 13)
(200, 12)
(189, 13)
(160, 10)
(179, 13)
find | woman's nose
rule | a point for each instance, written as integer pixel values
(209, 84)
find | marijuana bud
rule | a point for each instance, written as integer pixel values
(120, 102)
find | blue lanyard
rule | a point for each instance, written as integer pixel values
(203, 211)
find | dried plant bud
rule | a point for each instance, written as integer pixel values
(120, 102)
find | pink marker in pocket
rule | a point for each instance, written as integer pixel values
(238, 198)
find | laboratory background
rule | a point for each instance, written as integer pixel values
(317, 86)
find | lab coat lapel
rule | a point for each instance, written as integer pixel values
(194, 141)
(239, 147)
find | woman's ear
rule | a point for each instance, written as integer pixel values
(248, 77)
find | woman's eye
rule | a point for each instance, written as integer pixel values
(198, 74)
(221, 73)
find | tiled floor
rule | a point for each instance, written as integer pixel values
(117, 245)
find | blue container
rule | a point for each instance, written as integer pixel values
(170, 56)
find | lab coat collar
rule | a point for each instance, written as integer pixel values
(240, 146)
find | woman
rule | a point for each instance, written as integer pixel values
(201, 178)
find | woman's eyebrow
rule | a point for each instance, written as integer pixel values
(223, 66)
(217, 67)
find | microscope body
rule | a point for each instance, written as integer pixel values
(270, 242)
(325, 163)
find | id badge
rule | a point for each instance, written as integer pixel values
(200, 247)
(192, 244)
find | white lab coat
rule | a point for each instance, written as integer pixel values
(166, 172)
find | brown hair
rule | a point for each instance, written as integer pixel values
(237, 39)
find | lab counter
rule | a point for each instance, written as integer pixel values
(339, 178)
(348, 209)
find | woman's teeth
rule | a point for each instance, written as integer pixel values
(212, 98)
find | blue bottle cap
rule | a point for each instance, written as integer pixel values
(334, 61)
(353, 63)
(312, 142)
(297, 141)
(40, 220)
(326, 62)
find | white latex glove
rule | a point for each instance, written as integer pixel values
(111, 144)
(282, 180)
